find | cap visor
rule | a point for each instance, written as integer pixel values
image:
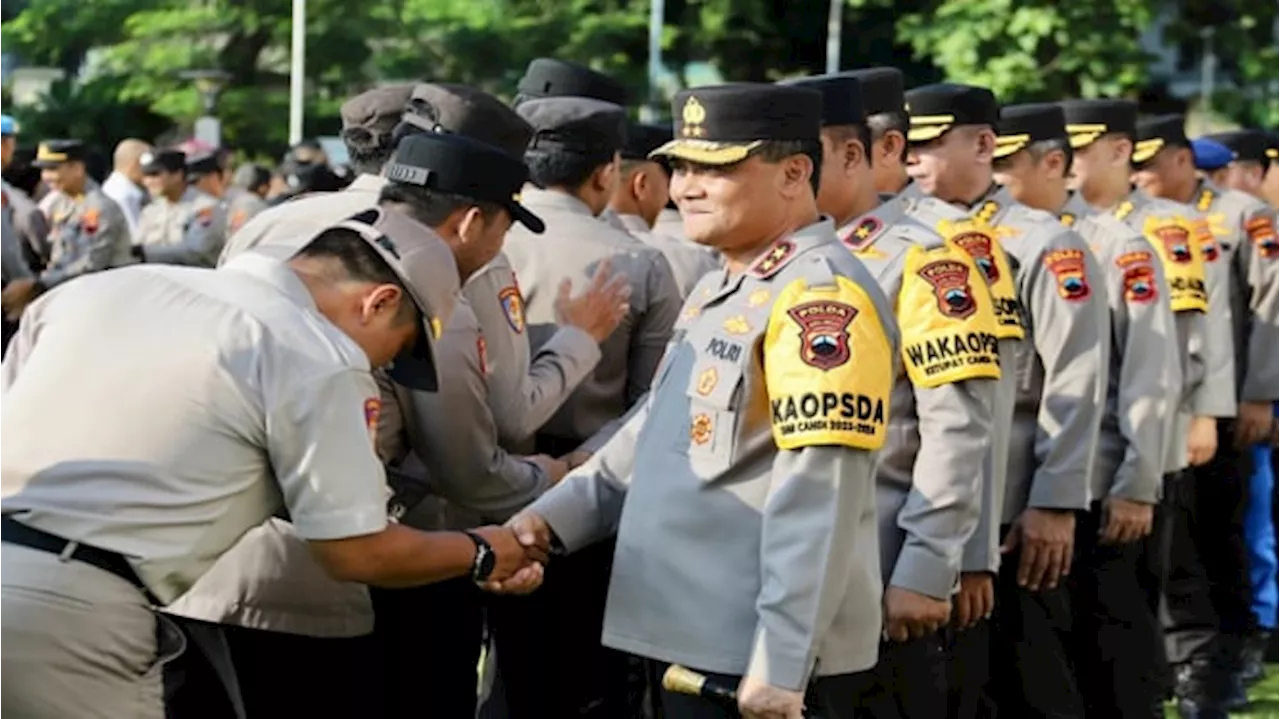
(926, 133)
(1083, 139)
(1144, 150)
(1006, 146)
(707, 152)
(45, 164)
(415, 368)
(521, 214)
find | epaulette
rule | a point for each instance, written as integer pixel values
(863, 233)
(774, 259)
(1205, 201)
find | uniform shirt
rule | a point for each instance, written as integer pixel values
(741, 489)
(1169, 228)
(574, 244)
(242, 206)
(236, 395)
(1061, 363)
(187, 232)
(1240, 237)
(523, 392)
(129, 197)
(930, 475)
(1143, 356)
(30, 225)
(688, 261)
(670, 224)
(87, 233)
(13, 266)
(612, 219)
(306, 215)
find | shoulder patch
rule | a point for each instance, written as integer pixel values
(372, 411)
(1183, 268)
(513, 307)
(205, 216)
(1262, 233)
(1204, 236)
(238, 217)
(90, 220)
(948, 323)
(1068, 267)
(978, 241)
(773, 260)
(1139, 278)
(828, 367)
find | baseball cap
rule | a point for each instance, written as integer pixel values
(157, 161)
(205, 163)
(376, 111)
(575, 124)
(463, 110)
(644, 138)
(724, 124)
(549, 77)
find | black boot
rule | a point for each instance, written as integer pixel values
(1200, 690)
(1257, 645)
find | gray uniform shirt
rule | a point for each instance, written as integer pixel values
(29, 223)
(86, 234)
(236, 397)
(1143, 356)
(741, 489)
(1061, 363)
(573, 246)
(242, 206)
(187, 232)
(524, 392)
(688, 261)
(13, 265)
(930, 475)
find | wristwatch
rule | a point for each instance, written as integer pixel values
(482, 565)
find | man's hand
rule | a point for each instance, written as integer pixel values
(1124, 520)
(523, 581)
(976, 600)
(1202, 440)
(599, 309)
(17, 295)
(576, 458)
(757, 700)
(509, 554)
(1254, 423)
(533, 534)
(908, 615)
(554, 468)
(1047, 537)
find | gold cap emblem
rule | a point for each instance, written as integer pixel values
(693, 115)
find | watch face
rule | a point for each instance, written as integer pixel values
(484, 562)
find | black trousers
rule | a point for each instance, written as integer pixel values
(429, 640)
(1208, 597)
(280, 675)
(968, 671)
(910, 680)
(1118, 646)
(843, 696)
(548, 643)
(1031, 639)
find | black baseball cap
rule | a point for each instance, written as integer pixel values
(575, 124)
(205, 163)
(158, 161)
(463, 110)
(935, 109)
(52, 153)
(644, 138)
(881, 89)
(549, 77)
(1087, 120)
(1023, 125)
(841, 97)
(724, 124)
(1156, 133)
(459, 165)
(1250, 145)
(376, 111)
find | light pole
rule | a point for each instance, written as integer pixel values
(649, 110)
(297, 70)
(209, 83)
(835, 13)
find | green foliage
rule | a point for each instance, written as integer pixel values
(90, 111)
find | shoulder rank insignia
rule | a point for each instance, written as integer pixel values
(1068, 266)
(862, 233)
(1123, 210)
(1206, 199)
(950, 281)
(987, 211)
(512, 307)
(774, 259)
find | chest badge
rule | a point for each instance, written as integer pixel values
(702, 428)
(824, 332)
(737, 325)
(707, 381)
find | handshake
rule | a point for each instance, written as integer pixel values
(521, 548)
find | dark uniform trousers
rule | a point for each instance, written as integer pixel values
(1031, 640)
(429, 639)
(1208, 598)
(1118, 646)
(968, 672)
(842, 696)
(909, 680)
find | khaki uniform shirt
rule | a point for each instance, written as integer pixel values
(236, 396)
(187, 232)
(930, 475)
(688, 261)
(574, 244)
(741, 488)
(87, 233)
(671, 224)
(1143, 359)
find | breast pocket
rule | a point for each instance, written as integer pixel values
(715, 400)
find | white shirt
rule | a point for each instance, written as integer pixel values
(129, 197)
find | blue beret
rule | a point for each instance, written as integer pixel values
(1211, 155)
(8, 126)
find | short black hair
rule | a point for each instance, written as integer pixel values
(430, 207)
(564, 168)
(857, 131)
(360, 262)
(1043, 147)
(367, 152)
(883, 123)
(774, 151)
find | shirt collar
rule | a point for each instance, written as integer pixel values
(272, 270)
(365, 182)
(634, 223)
(538, 199)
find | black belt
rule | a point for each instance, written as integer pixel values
(14, 532)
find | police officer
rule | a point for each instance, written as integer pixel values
(215, 427)
(573, 161)
(1248, 163)
(29, 224)
(882, 91)
(1060, 399)
(87, 231)
(246, 196)
(1237, 234)
(207, 175)
(182, 225)
(929, 478)
(741, 487)
(1119, 648)
(643, 191)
